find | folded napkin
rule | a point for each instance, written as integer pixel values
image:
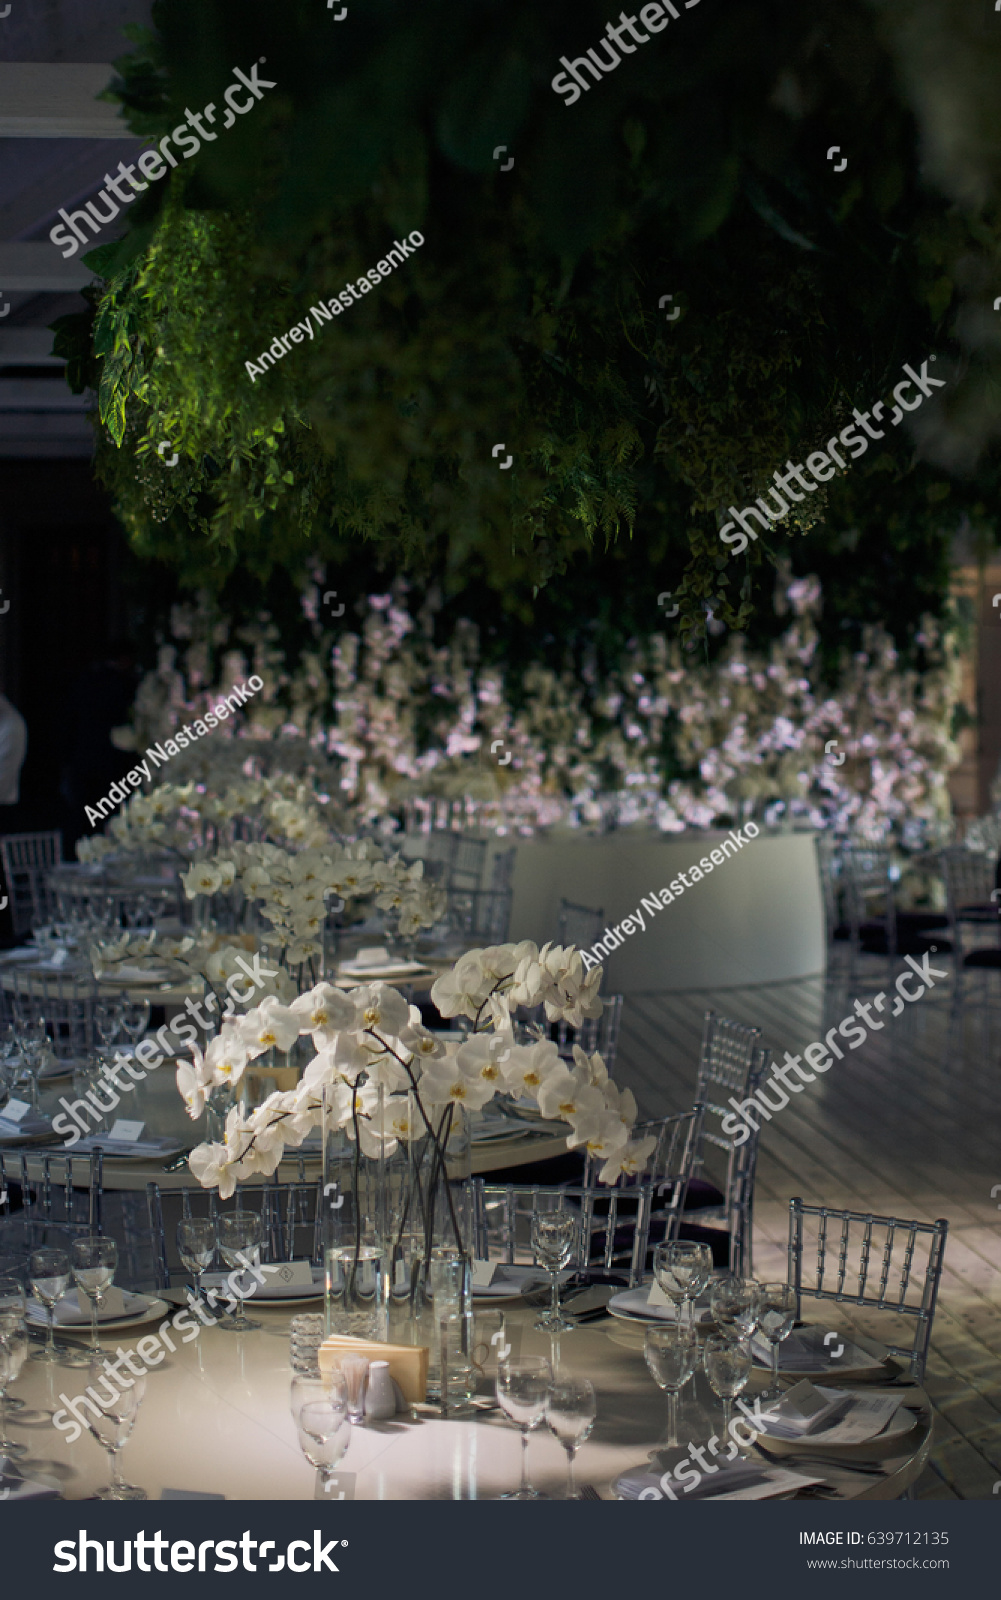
(742, 1475)
(805, 1351)
(73, 1310)
(152, 1145)
(14, 1487)
(32, 1126)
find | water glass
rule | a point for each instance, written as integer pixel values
(777, 1316)
(108, 1020)
(554, 1242)
(324, 1430)
(93, 1262)
(196, 1247)
(112, 1426)
(134, 1016)
(683, 1270)
(13, 1354)
(570, 1414)
(728, 1366)
(672, 1354)
(50, 1278)
(238, 1236)
(522, 1390)
(736, 1306)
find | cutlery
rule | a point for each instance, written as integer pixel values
(589, 1492)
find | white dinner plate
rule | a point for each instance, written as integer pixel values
(152, 1310)
(398, 969)
(887, 1443)
(135, 974)
(632, 1306)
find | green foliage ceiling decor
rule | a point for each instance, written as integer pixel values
(531, 316)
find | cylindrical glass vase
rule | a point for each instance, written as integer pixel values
(355, 1223)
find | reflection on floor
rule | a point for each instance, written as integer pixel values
(907, 1125)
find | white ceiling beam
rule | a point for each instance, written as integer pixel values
(46, 101)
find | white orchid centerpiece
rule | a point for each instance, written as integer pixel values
(371, 1037)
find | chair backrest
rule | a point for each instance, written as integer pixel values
(612, 1223)
(26, 859)
(595, 1033)
(59, 1189)
(731, 1054)
(502, 871)
(969, 880)
(869, 893)
(66, 1004)
(468, 859)
(483, 915)
(291, 1213)
(843, 1268)
(829, 870)
(579, 925)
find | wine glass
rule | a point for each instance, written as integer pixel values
(13, 1354)
(570, 1413)
(238, 1236)
(93, 1261)
(34, 1044)
(683, 1269)
(324, 1435)
(728, 1366)
(134, 1016)
(522, 1387)
(112, 1426)
(108, 1020)
(50, 1278)
(196, 1244)
(554, 1239)
(672, 1354)
(736, 1306)
(778, 1313)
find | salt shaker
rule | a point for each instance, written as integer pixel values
(380, 1402)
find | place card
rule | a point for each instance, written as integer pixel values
(126, 1131)
(294, 1274)
(483, 1274)
(15, 1111)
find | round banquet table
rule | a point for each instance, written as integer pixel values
(216, 1419)
(756, 918)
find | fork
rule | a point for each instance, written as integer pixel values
(589, 1492)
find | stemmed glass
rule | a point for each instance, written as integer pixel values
(108, 1020)
(522, 1388)
(34, 1044)
(736, 1306)
(238, 1236)
(672, 1355)
(683, 1269)
(93, 1262)
(13, 1354)
(554, 1238)
(112, 1428)
(570, 1413)
(728, 1367)
(778, 1313)
(320, 1413)
(50, 1278)
(196, 1243)
(134, 1016)
(8, 1051)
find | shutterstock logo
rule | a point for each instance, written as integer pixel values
(179, 1555)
